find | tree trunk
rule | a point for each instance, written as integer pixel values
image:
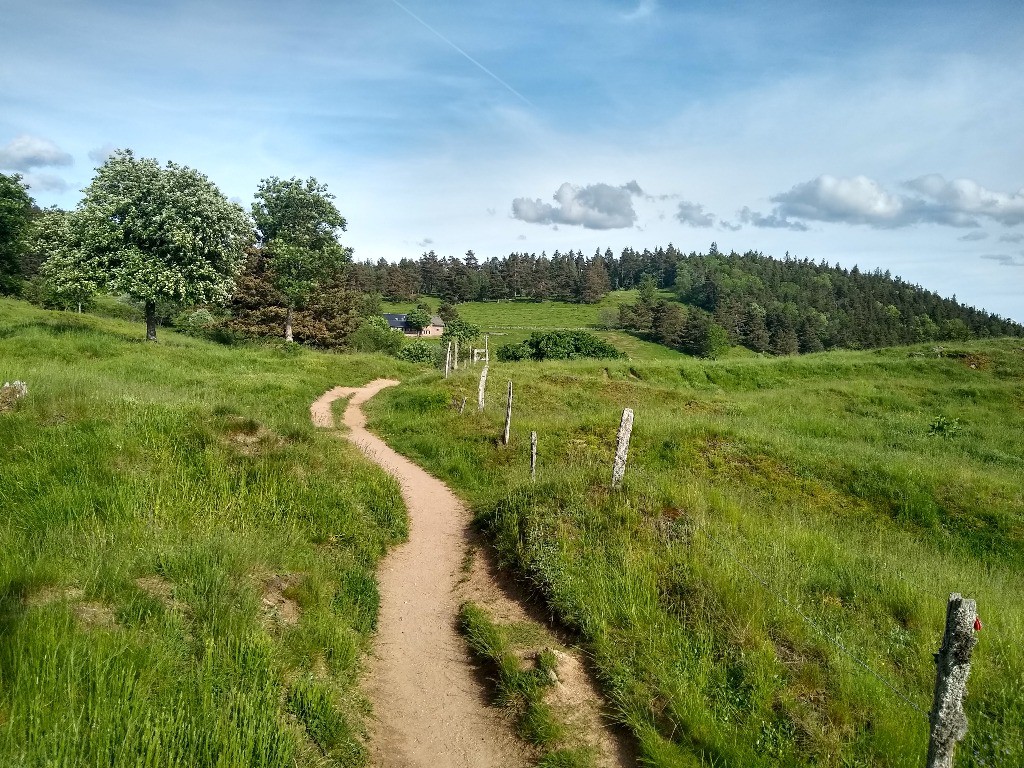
(288, 324)
(150, 321)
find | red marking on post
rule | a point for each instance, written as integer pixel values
(977, 624)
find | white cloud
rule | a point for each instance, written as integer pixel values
(772, 221)
(861, 200)
(692, 214)
(100, 154)
(1004, 260)
(424, 242)
(1016, 237)
(46, 182)
(25, 152)
(973, 237)
(963, 196)
(596, 206)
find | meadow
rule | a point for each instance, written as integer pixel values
(769, 585)
(511, 322)
(187, 567)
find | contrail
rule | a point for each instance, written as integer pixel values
(474, 61)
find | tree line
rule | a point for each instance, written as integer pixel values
(780, 306)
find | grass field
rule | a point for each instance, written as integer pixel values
(186, 565)
(510, 322)
(784, 524)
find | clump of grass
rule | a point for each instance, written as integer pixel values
(520, 688)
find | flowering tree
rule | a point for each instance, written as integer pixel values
(297, 226)
(159, 234)
(69, 279)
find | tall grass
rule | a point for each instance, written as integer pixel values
(149, 494)
(770, 584)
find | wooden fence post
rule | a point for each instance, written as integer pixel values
(455, 360)
(480, 392)
(533, 456)
(448, 360)
(463, 406)
(508, 415)
(487, 348)
(622, 447)
(952, 666)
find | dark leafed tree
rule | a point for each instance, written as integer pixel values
(297, 225)
(15, 217)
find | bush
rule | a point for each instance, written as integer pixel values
(559, 345)
(511, 353)
(419, 352)
(370, 337)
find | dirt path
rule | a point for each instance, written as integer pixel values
(430, 707)
(430, 703)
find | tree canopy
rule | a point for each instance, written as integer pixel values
(297, 227)
(15, 218)
(159, 234)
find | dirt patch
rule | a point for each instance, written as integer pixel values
(161, 589)
(278, 606)
(248, 437)
(89, 613)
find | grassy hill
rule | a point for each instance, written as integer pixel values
(769, 586)
(510, 322)
(186, 565)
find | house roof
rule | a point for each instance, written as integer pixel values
(399, 321)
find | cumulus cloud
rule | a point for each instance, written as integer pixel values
(102, 153)
(966, 197)
(1004, 260)
(25, 152)
(973, 237)
(46, 182)
(772, 221)
(729, 225)
(861, 200)
(596, 206)
(1016, 237)
(425, 242)
(692, 214)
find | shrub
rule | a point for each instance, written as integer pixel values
(419, 352)
(559, 345)
(370, 337)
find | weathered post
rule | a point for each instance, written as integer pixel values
(533, 456)
(448, 361)
(463, 406)
(508, 416)
(487, 348)
(480, 392)
(622, 447)
(952, 666)
(455, 360)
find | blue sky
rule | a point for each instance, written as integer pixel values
(888, 134)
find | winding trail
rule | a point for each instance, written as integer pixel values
(431, 709)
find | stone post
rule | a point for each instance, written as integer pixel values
(622, 447)
(508, 416)
(480, 392)
(952, 666)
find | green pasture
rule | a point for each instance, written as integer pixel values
(187, 567)
(769, 585)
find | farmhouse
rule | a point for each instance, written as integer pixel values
(398, 322)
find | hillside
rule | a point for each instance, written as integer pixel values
(769, 586)
(188, 567)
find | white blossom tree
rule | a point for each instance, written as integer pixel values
(70, 280)
(159, 234)
(297, 225)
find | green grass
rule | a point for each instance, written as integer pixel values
(148, 495)
(510, 322)
(778, 516)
